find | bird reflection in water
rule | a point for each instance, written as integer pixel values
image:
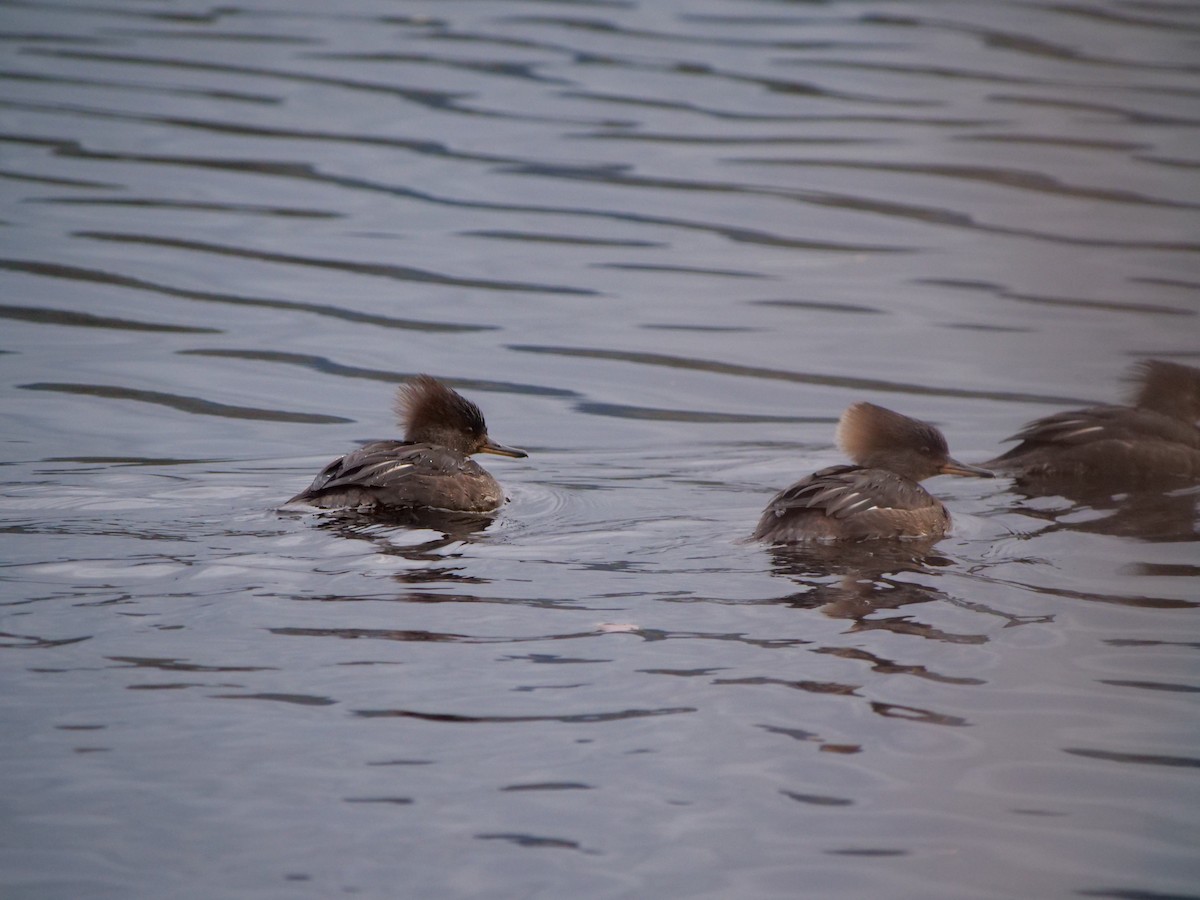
(1146, 514)
(867, 578)
(381, 528)
(859, 581)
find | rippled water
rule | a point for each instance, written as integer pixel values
(663, 245)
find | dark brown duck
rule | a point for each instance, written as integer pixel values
(431, 468)
(880, 496)
(1156, 440)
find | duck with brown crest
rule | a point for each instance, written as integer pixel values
(431, 468)
(880, 496)
(1155, 441)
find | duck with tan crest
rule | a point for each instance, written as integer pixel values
(879, 496)
(430, 469)
(1154, 442)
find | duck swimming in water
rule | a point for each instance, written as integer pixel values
(1154, 441)
(430, 469)
(880, 496)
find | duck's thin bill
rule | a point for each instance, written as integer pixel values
(500, 450)
(954, 467)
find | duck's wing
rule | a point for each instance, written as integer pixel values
(851, 503)
(401, 474)
(1103, 423)
(1112, 447)
(844, 491)
(372, 465)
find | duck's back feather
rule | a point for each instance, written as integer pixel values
(852, 503)
(404, 474)
(1117, 442)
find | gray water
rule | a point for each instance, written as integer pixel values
(663, 244)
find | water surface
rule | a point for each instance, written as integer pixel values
(663, 245)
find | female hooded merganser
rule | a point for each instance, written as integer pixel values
(430, 468)
(1154, 441)
(879, 497)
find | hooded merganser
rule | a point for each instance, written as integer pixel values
(430, 468)
(879, 497)
(1156, 440)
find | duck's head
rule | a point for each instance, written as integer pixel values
(1167, 387)
(432, 413)
(881, 439)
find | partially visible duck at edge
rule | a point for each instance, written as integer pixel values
(879, 497)
(1154, 441)
(430, 469)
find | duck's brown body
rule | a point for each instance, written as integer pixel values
(401, 474)
(880, 497)
(852, 503)
(432, 469)
(1155, 441)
